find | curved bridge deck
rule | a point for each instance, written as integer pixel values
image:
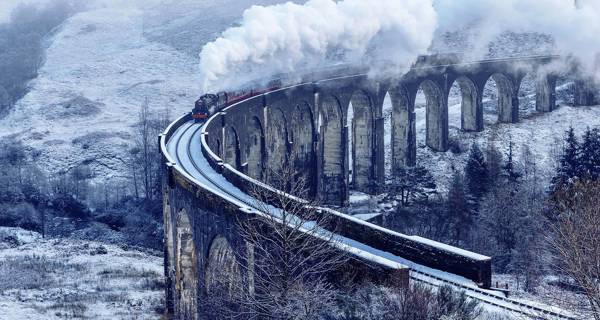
(184, 149)
(210, 167)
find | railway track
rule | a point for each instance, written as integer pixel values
(182, 160)
(490, 298)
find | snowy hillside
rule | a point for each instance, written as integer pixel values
(101, 65)
(63, 278)
(104, 62)
(543, 133)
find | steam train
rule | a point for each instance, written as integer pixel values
(210, 103)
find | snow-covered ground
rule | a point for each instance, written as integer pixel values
(542, 132)
(63, 278)
(101, 65)
(548, 291)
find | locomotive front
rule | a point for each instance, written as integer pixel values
(202, 106)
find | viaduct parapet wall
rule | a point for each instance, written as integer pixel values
(306, 127)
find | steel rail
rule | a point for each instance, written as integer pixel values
(487, 297)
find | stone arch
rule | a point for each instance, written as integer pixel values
(545, 93)
(231, 148)
(215, 147)
(255, 149)
(508, 101)
(333, 179)
(222, 271)
(436, 116)
(362, 141)
(403, 127)
(526, 94)
(169, 251)
(302, 138)
(186, 268)
(471, 105)
(277, 144)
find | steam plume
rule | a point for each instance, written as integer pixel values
(573, 25)
(285, 37)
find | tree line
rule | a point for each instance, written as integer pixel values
(501, 206)
(74, 199)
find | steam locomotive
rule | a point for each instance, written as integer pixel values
(210, 103)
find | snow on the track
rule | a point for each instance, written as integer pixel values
(186, 145)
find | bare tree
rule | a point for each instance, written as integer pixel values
(289, 257)
(144, 142)
(411, 183)
(574, 241)
(80, 176)
(144, 156)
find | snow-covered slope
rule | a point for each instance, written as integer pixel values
(542, 132)
(65, 278)
(99, 68)
(104, 62)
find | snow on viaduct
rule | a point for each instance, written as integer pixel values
(209, 169)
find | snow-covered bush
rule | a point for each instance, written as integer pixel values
(413, 303)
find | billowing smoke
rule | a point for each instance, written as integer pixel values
(286, 37)
(289, 36)
(574, 25)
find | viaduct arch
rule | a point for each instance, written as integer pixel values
(306, 125)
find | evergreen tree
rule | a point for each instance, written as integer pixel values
(569, 162)
(589, 156)
(458, 207)
(477, 174)
(509, 168)
(494, 162)
(409, 183)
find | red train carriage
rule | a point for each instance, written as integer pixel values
(210, 103)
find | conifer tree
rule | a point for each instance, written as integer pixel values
(409, 183)
(477, 174)
(458, 207)
(493, 158)
(509, 168)
(569, 162)
(589, 156)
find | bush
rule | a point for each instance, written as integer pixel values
(414, 303)
(456, 305)
(114, 220)
(455, 146)
(22, 215)
(68, 206)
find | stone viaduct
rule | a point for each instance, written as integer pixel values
(305, 126)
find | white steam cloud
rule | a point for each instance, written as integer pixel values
(573, 25)
(285, 37)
